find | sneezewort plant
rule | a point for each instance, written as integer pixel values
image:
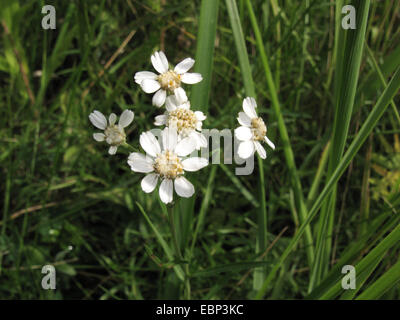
(169, 160)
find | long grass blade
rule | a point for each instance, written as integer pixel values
(205, 52)
(346, 79)
(355, 146)
(384, 283)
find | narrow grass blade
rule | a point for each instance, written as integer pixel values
(384, 283)
(235, 180)
(384, 84)
(370, 260)
(231, 267)
(241, 48)
(205, 52)
(346, 79)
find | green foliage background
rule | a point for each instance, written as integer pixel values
(66, 202)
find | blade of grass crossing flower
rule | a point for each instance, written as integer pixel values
(346, 79)
(205, 52)
(295, 180)
(355, 146)
(241, 50)
(259, 273)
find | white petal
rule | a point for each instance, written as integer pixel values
(184, 65)
(191, 78)
(112, 118)
(164, 59)
(185, 146)
(112, 150)
(159, 98)
(246, 149)
(126, 118)
(160, 62)
(199, 125)
(183, 187)
(143, 75)
(166, 191)
(180, 96)
(260, 149)
(149, 182)
(150, 86)
(149, 143)
(169, 138)
(249, 107)
(200, 116)
(185, 105)
(194, 163)
(171, 103)
(243, 133)
(269, 142)
(201, 141)
(98, 120)
(99, 136)
(140, 163)
(204, 141)
(160, 120)
(244, 119)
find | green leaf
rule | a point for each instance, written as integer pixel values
(205, 53)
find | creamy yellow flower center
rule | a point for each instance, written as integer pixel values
(168, 165)
(182, 119)
(115, 135)
(169, 80)
(258, 128)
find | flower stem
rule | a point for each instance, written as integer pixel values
(127, 145)
(178, 251)
(261, 244)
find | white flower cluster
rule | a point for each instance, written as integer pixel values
(168, 160)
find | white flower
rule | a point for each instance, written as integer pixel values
(166, 163)
(188, 123)
(168, 80)
(113, 134)
(251, 132)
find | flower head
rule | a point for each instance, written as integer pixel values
(186, 122)
(113, 134)
(252, 131)
(168, 80)
(166, 162)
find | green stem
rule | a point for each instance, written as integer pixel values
(178, 251)
(261, 244)
(128, 146)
